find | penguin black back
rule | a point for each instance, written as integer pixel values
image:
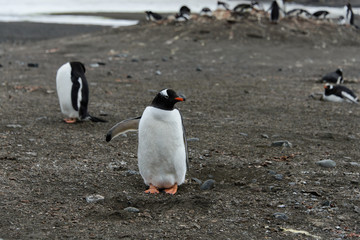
(275, 12)
(166, 99)
(78, 72)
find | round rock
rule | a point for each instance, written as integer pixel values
(328, 163)
(208, 184)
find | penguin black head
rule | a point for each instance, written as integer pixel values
(185, 10)
(78, 66)
(339, 71)
(166, 99)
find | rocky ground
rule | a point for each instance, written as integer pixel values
(247, 84)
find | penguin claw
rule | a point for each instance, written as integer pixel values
(172, 190)
(70, 120)
(152, 189)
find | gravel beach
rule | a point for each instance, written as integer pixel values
(257, 131)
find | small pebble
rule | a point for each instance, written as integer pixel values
(33, 65)
(94, 65)
(354, 164)
(132, 209)
(164, 59)
(328, 163)
(135, 60)
(264, 136)
(158, 72)
(197, 180)
(94, 198)
(13, 126)
(281, 143)
(280, 216)
(271, 172)
(208, 184)
(132, 172)
(244, 134)
(198, 69)
(193, 139)
(279, 176)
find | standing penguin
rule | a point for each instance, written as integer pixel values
(339, 93)
(275, 12)
(162, 147)
(73, 92)
(349, 15)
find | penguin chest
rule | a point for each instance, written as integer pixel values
(65, 89)
(161, 150)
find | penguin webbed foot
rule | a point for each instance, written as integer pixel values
(152, 189)
(70, 120)
(172, 190)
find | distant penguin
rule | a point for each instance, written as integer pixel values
(162, 147)
(320, 13)
(223, 5)
(185, 12)
(349, 19)
(151, 16)
(339, 93)
(245, 7)
(206, 12)
(73, 92)
(334, 77)
(275, 12)
(298, 12)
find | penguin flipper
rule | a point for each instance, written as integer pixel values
(349, 97)
(127, 125)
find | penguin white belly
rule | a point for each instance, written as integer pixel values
(64, 86)
(161, 150)
(333, 98)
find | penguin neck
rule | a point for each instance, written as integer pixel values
(168, 106)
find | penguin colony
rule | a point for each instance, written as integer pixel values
(162, 145)
(274, 13)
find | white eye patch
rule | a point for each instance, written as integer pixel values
(164, 93)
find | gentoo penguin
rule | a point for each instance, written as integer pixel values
(185, 12)
(162, 147)
(73, 92)
(223, 5)
(339, 93)
(151, 16)
(275, 12)
(349, 15)
(298, 12)
(320, 13)
(206, 12)
(244, 7)
(334, 77)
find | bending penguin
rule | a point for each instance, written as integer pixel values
(339, 93)
(73, 92)
(162, 146)
(334, 77)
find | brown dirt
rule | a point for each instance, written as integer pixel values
(255, 80)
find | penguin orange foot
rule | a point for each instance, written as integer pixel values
(152, 189)
(171, 190)
(70, 120)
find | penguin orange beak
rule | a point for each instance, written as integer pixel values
(180, 99)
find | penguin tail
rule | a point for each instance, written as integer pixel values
(95, 119)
